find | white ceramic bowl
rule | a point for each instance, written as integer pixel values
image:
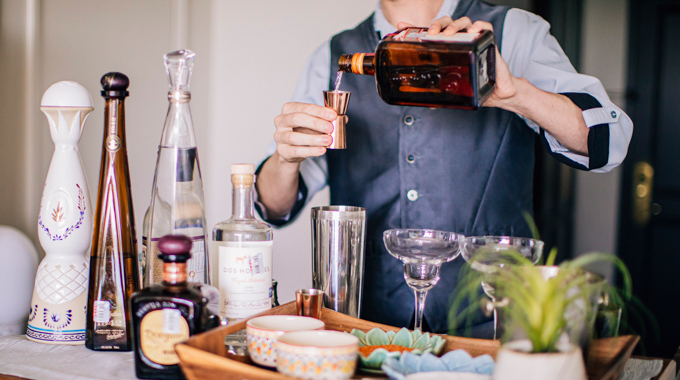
(262, 332)
(330, 355)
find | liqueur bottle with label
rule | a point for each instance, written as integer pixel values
(113, 261)
(243, 248)
(413, 68)
(168, 313)
(177, 205)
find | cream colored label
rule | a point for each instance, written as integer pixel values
(244, 278)
(159, 331)
(195, 265)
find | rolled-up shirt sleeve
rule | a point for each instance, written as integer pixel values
(533, 53)
(313, 170)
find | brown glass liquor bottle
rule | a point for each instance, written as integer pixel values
(114, 273)
(413, 68)
(168, 313)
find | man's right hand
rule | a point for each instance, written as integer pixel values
(303, 130)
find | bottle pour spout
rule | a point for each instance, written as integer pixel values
(179, 65)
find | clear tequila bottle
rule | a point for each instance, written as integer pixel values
(177, 205)
(243, 249)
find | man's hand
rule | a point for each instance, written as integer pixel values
(553, 112)
(505, 82)
(302, 130)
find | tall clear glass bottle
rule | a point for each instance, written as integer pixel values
(243, 249)
(114, 275)
(177, 205)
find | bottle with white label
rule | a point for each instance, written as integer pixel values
(177, 202)
(243, 247)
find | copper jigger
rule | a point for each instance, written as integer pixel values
(309, 302)
(337, 100)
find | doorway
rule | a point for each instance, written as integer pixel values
(649, 225)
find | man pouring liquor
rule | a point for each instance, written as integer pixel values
(469, 172)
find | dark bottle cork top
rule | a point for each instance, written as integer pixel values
(175, 248)
(115, 85)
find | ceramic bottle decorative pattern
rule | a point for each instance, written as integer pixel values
(58, 306)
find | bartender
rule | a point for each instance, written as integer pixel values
(470, 172)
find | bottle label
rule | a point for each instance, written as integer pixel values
(171, 321)
(195, 265)
(159, 331)
(142, 261)
(102, 311)
(245, 278)
(419, 34)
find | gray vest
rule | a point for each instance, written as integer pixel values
(470, 172)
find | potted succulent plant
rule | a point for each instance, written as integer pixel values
(548, 311)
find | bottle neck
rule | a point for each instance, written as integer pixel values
(359, 63)
(174, 273)
(114, 130)
(178, 130)
(242, 196)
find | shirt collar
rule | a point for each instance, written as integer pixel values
(383, 27)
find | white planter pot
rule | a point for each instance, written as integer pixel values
(515, 362)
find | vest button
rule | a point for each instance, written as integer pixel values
(409, 120)
(412, 195)
(411, 158)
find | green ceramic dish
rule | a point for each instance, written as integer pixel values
(421, 343)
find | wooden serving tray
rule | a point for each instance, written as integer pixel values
(205, 357)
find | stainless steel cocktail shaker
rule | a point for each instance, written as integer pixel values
(338, 235)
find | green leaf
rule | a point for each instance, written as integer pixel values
(403, 338)
(422, 341)
(377, 337)
(361, 335)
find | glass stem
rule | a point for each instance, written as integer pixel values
(420, 309)
(495, 324)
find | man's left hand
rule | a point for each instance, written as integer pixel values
(555, 113)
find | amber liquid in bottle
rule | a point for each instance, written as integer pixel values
(168, 313)
(114, 273)
(414, 69)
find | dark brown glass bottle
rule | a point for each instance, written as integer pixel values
(168, 313)
(114, 273)
(413, 68)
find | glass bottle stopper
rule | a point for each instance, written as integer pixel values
(179, 65)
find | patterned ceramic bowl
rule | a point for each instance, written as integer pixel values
(262, 332)
(330, 355)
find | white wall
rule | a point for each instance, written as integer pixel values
(249, 56)
(257, 58)
(603, 55)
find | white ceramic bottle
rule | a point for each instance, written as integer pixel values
(57, 312)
